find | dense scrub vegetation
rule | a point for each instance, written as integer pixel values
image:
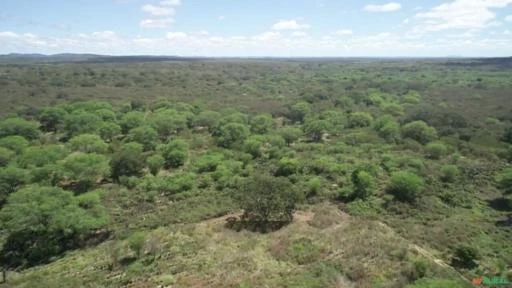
(133, 158)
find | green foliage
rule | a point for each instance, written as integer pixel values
(394, 109)
(261, 124)
(167, 122)
(15, 143)
(507, 135)
(464, 257)
(11, 178)
(364, 184)
(131, 120)
(449, 173)
(254, 145)
(174, 153)
(81, 122)
(299, 111)
(290, 134)
(405, 186)
(19, 126)
(129, 161)
(155, 163)
(436, 150)
(231, 134)
(52, 118)
(316, 128)
(206, 119)
(40, 221)
(5, 156)
(360, 119)
(38, 156)
(419, 131)
(144, 135)
(266, 198)
(504, 181)
(287, 166)
(302, 251)
(435, 283)
(136, 243)
(84, 170)
(88, 143)
(108, 130)
(387, 128)
(208, 162)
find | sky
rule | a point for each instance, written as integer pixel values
(253, 28)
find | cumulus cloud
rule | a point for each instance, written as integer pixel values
(289, 25)
(176, 35)
(461, 14)
(266, 36)
(158, 10)
(156, 23)
(508, 18)
(299, 34)
(388, 7)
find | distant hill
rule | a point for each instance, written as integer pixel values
(91, 58)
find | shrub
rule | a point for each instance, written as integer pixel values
(507, 135)
(231, 134)
(144, 135)
(504, 181)
(19, 126)
(208, 162)
(316, 128)
(464, 257)
(449, 173)
(129, 161)
(360, 119)
(5, 156)
(419, 131)
(174, 153)
(51, 118)
(299, 111)
(136, 243)
(290, 134)
(88, 143)
(364, 184)
(108, 130)
(84, 170)
(155, 163)
(436, 150)
(261, 124)
(405, 186)
(287, 166)
(15, 143)
(266, 198)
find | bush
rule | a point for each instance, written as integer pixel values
(51, 118)
(405, 186)
(144, 135)
(504, 181)
(436, 150)
(261, 124)
(287, 166)
(419, 131)
(360, 119)
(155, 163)
(266, 198)
(5, 156)
(208, 162)
(19, 126)
(136, 243)
(129, 161)
(290, 134)
(364, 184)
(15, 143)
(88, 143)
(232, 133)
(465, 256)
(449, 173)
(299, 111)
(316, 128)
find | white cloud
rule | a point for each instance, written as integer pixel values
(158, 10)
(389, 7)
(170, 2)
(343, 32)
(267, 36)
(289, 25)
(460, 14)
(176, 35)
(156, 23)
(406, 21)
(506, 32)
(221, 17)
(508, 18)
(299, 34)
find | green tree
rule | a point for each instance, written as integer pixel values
(254, 145)
(387, 128)
(449, 173)
(144, 135)
(290, 134)
(42, 222)
(316, 128)
(136, 243)
(419, 131)
(88, 143)
(155, 163)
(507, 135)
(108, 130)
(364, 184)
(81, 122)
(38, 156)
(84, 170)
(360, 119)
(206, 119)
(128, 161)
(266, 198)
(11, 178)
(15, 143)
(5, 156)
(436, 150)
(167, 122)
(287, 166)
(464, 257)
(299, 111)
(51, 118)
(19, 126)
(175, 153)
(405, 186)
(262, 124)
(131, 120)
(231, 134)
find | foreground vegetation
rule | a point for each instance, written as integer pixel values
(255, 174)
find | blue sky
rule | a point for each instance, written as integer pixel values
(258, 28)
